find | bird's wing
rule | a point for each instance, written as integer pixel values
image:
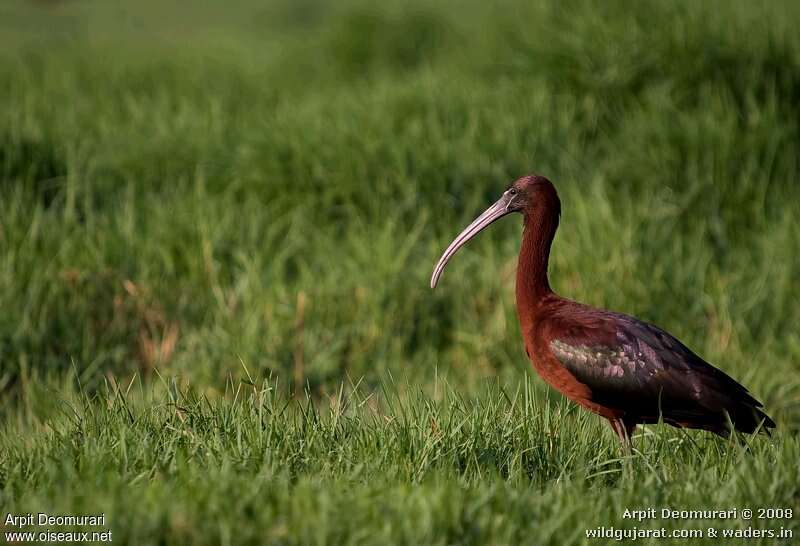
(644, 371)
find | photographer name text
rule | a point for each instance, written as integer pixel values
(645, 514)
(40, 518)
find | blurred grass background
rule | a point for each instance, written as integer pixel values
(183, 187)
(191, 193)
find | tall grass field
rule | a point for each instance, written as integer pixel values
(218, 223)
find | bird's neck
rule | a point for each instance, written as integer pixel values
(533, 286)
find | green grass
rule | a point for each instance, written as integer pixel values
(184, 192)
(396, 466)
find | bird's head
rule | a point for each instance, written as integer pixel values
(527, 195)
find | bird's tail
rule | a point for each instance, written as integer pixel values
(749, 419)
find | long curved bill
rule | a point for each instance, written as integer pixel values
(496, 211)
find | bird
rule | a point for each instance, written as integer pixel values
(624, 369)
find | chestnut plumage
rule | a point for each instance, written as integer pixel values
(617, 366)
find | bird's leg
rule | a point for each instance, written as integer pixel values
(624, 432)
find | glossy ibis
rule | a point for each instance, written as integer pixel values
(615, 365)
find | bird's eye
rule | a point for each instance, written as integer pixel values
(512, 191)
